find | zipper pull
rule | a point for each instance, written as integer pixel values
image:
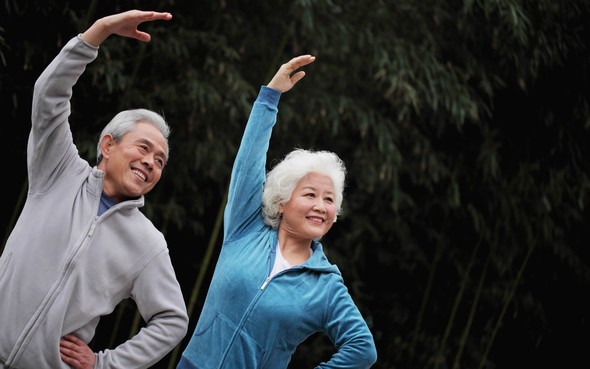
(265, 283)
(92, 229)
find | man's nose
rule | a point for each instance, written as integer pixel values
(148, 160)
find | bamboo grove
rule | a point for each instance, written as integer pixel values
(464, 125)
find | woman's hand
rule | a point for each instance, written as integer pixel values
(284, 80)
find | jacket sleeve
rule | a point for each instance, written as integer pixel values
(161, 304)
(249, 169)
(347, 329)
(51, 151)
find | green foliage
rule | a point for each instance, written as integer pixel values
(464, 126)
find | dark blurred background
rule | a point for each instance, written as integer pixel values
(465, 127)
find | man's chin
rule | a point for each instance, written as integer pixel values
(145, 191)
(137, 193)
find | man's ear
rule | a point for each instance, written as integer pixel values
(106, 145)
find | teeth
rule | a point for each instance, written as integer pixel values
(317, 219)
(139, 174)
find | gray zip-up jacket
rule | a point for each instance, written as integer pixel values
(63, 266)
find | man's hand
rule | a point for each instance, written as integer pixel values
(76, 353)
(123, 24)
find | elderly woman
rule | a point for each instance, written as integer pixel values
(273, 286)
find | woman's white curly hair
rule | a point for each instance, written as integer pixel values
(283, 178)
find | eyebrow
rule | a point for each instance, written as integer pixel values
(314, 189)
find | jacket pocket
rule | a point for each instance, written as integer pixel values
(222, 344)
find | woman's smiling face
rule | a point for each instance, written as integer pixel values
(310, 212)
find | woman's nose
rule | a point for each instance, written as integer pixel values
(319, 206)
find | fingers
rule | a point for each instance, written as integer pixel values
(150, 16)
(123, 24)
(300, 61)
(287, 75)
(143, 16)
(297, 77)
(296, 63)
(73, 339)
(142, 36)
(67, 349)
(76, 353)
